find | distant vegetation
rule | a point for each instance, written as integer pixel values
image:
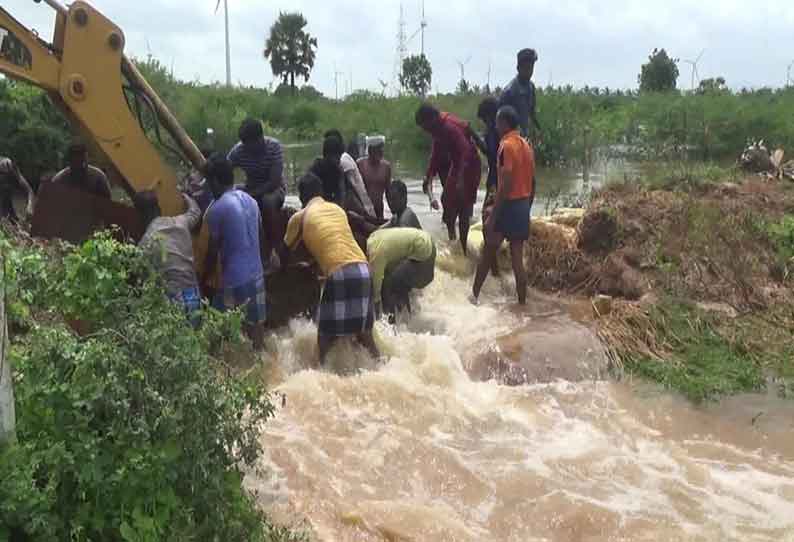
(711, 123)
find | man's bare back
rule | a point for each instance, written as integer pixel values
(377, 177)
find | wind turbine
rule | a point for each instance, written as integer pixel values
(694, 64)
(228, 52)
(788, 74)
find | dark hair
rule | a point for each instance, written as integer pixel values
(309, 186)
(398, 188)
(333, 132)
(147, 205)
(527, 55)
(250, 130)
(508, 114)
(333, 146)
(352, 150)
(488, 108)
(76, 149)
(220, 169)
(426, 114)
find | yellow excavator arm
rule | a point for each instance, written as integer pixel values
(84, 70)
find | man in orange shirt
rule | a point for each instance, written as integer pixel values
(513, 203)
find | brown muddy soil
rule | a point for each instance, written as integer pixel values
(705, 243)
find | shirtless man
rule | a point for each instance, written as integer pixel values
(376, 173)
(82, 176)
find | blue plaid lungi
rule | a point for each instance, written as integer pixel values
(190, 301)
(251, 296)
(346, 306)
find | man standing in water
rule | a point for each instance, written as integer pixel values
(235, 229)
(512, 204)
(11, 179)
(346, 307)
(520, 93)
(82, 176)
(376, 172)
(455, 160)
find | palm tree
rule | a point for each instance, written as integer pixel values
(290, 48)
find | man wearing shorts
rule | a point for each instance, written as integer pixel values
(455, 160)
(235, 226)
(346, 306)
(512, 204)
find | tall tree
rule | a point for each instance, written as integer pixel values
(290, 49)
(416, 75)
(660, 73)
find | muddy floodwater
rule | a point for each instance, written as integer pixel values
(491, 423)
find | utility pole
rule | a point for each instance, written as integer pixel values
(337, 73)
(422, 26)
(228, 49)
(402, 50)
(788, 74)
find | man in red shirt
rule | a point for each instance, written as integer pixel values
(455, 160)
(513, 203)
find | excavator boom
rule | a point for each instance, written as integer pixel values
(85, 73)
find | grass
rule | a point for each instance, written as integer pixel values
(701, 364)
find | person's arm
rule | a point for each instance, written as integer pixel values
(532, 108)
(276, 174)
(478, 140)
(341, 190)
(24, 184)
(377, 265)
(213, 244)
(458, 150)
(432, 171)
(192, 215)
(102, 183)
(505, 183)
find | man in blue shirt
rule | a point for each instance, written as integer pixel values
(262, 160)
(235, 227)
(520, 92)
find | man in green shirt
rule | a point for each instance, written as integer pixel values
(401, 259)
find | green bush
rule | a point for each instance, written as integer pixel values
(132, 432)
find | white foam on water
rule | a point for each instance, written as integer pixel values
(413, 449)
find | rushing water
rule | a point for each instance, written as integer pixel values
(430, 444)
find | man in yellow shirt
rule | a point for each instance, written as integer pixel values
(346, 307)
(402, 259)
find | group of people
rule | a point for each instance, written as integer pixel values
(510, 188)
(369, 264)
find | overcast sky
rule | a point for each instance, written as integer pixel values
(580, 42)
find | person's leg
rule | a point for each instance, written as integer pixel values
(367, 340)
(256, 333)
(463, 227)
(484, 266)
(324, 344)
(517, 257)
